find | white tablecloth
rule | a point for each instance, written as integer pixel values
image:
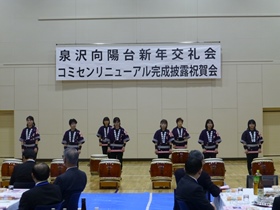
(7, 204)
(222, 202)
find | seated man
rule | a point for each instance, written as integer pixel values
(73, 180)
(189, 190)
(21, 176)
(43, 193)
(204, 180)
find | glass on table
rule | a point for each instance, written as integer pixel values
(246, 198)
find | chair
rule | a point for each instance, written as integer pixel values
(49, 207)
(182, 205)
(72, 202)
(24, 185)
(268, 180)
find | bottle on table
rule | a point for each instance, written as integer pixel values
(258, 184)
(84, 207)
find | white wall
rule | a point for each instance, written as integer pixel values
(250, 69)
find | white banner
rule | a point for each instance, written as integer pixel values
(138, 62)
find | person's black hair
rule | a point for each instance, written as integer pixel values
(41, 171)
(29, 154)
(196, 154)
(106, 119)
(179, 119)
(209, 121)
(71, 121)
(116, 119)
(32, 119)
(251, 122)
(164, 121)
(193, 166)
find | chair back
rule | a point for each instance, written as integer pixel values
(72, 202)
(57, 206)
(182, 205)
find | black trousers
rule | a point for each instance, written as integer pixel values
(209, 155)
(32, 148)
(116, 155)
(163, 155)
(250, 158)
(104, 150)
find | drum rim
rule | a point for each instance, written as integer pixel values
(110, 162)
(155, 162)
(160, 159)
(99, 155)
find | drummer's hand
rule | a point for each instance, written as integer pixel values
(204, 150)
(246, 151)
(109, 150)
(35, 150)
(100, 144)
(123, 149)
(170, 151)
(260, 151)
(79, 151)
(216, 151)
(22, 150)
(156, 151)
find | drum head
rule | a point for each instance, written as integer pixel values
(180, 150)
(109, 160)
(12, 160)
(57, 160)
(213, 160)
(161, 159)
(98, 156)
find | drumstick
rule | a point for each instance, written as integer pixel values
(117, 150)
(252, 152)
(210, 151)
(163, 152)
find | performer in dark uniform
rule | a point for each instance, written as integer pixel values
(30, 136)
(162, 140)
(252, 143)
(73, 138)
(180, 134)
(102, 134)
(117, 139)
(209, 139)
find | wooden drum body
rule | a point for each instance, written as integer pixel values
(94, 162)
(161, 169)
(215, 167)
(109, 169)
(7, 167)
(179, 158)
(265, 165)
(57, 168)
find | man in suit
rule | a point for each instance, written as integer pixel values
(43, 193)
(204, 180)
(276, 203)
(73, 180)
(21, 176)
(189, 190)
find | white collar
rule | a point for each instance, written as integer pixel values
(71, 167)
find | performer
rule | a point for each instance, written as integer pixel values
(180, 134)
(30, 136)
(117, 139)
(162, 140)
(73, 138)
(252, 143)
(102, 134)
(209, 139)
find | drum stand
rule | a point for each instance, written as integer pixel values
(177, 166)
(109, 184)
(5, 183)
(161, 184)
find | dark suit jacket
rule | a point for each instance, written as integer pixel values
(22, 173)
(192, 193)
(276, 203)
(204, 180)
(40, 195)
(72, 181)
